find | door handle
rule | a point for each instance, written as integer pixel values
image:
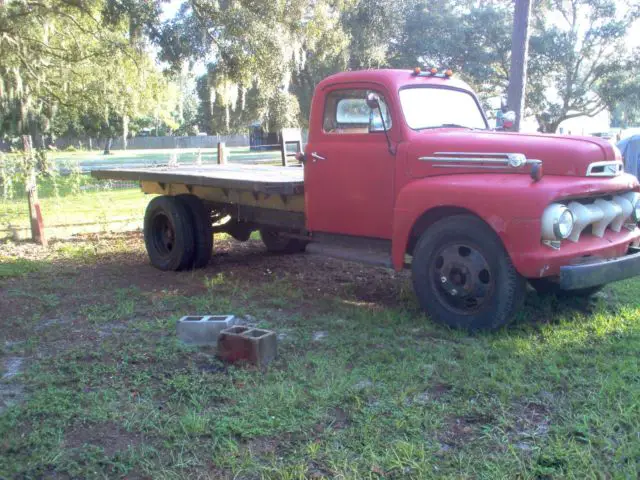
(315, 156)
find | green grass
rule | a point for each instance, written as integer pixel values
(151, 156)
(382, 393)
(16, 266)
(98, 208)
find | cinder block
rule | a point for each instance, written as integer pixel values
(256, 345)
(203, 329)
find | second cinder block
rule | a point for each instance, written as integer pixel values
(203, 329)
(256, 345)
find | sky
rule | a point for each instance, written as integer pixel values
(170, 9)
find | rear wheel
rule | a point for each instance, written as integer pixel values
(463, 277)
(278, 243)
(168, 234)
(200, 219)
(545, 286)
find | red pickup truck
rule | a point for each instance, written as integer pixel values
(401, 169)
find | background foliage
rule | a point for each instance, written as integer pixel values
(104, 68)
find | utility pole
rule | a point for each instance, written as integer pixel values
(519, 54)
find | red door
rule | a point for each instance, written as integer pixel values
(349, 172)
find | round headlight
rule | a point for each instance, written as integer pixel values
(564, 225)
(557, 222)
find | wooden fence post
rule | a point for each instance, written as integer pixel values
(222, 159)
(35, 214)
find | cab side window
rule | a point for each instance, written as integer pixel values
(347, 112)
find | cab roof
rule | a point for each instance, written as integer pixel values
(391, 78)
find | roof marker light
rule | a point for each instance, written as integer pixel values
(417, 70)
(448, 73)
(434, 70)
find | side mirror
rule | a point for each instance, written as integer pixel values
(510, 116)
(373, 102)
(509, 119)
(505, 121)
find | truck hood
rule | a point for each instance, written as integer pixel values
(560, 155)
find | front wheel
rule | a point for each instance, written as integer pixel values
(463, 277)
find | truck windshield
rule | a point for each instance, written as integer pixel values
(430, 107)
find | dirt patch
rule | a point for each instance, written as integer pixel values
(431, 394)
(10, 394)
(261, 446)
(58, 301)
(530, 420)
(110, 437)
(12, 367)
(338, 418)
(460, 431)
(439, 390)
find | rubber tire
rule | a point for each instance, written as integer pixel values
(277, 243)
(200, 218)
(510, 286)
(181, 256)
(545, 286)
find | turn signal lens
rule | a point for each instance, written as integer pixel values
(536, 172)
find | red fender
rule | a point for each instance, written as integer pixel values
(512, 204)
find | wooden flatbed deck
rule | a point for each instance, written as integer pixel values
(270, 180)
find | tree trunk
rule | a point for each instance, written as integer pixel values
(553, 126)
(125, 131)
(548, 126)
(107, 146)
(36, 134)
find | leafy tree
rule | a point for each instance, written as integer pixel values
(252, 46)
(578, 49)
(68, 64)
(622, 95)
(472, 39)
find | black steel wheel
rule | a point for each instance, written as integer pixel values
(168, 234)
(463, 277)
(546, 286)
(200, 218)
(278, 243)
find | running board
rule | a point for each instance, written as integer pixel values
(372, 256)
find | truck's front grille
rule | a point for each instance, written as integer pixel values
(596, 215)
